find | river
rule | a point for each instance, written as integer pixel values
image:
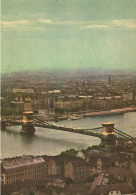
(52, 142)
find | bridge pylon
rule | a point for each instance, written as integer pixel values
(108, 133)
(3, 125)
(27, 123)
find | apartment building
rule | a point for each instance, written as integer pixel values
(23, 168)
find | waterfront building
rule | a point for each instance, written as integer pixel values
(69, 105)
(118, 102)
(102, 103)
(128, 98)
(18, 105)
(62, 105)
(27, 106)
(87, 101)
(107, 103)
(23, 168)
(38, 101)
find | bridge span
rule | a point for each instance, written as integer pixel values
(106, 132)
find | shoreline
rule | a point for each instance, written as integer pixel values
(99, 113)
(110, 112)
(80, 115)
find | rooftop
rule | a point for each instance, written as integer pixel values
(120, 172)
(77, 162)
(21, 161)
(122, 187)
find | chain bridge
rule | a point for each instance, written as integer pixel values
(105, 132)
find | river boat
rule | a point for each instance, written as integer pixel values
(75, 118)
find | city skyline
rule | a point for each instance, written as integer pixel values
(72, 34)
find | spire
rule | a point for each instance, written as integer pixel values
(109, 79)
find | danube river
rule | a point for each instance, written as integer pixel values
(53, 142)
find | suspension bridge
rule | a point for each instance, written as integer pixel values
(105, 132)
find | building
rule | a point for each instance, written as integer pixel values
(122, 162)
(70, 105)
(128, 98)
(73, 168)
(103, 103)
(121, 174)
(38, 102)
(98, 188)
(114, 193)
(17, 90)
(77, 170)
(18, 105)
(2, 179)
(87, 101)
(62, 105)
(133, 166)
(118, 101)
(95, 165)
(56, 165)
(56, 91)
(98, 164)
(23, 168)
(27, 106)
(107, 103)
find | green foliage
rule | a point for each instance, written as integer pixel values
(96, 147)
(71, 152)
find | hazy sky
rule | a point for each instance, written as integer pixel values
(99, 34)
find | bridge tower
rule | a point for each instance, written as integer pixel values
(28, 123)
(108, 133)
(3, 125)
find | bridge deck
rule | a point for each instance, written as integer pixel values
(90, 132)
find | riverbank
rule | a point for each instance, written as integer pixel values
(76, 116)
(93, 114)
(110, 112)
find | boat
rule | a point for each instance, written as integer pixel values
(75, 118)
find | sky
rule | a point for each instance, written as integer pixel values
(68, 34)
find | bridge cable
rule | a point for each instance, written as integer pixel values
(43, 122)
(125, 134)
